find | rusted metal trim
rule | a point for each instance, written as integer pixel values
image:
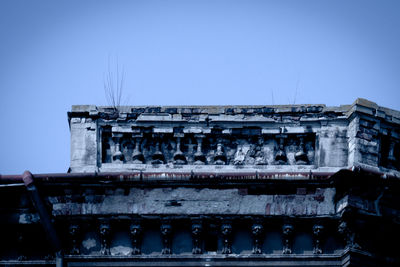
(185, 176)
(140, 175)
(170, 176)
(45, 219)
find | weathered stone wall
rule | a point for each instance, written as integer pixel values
(84, 141)
(191, 201)
(374, 136)
(219, 138)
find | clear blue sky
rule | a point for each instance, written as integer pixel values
(54, 54)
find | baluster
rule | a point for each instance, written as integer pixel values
(166, 233)
(287, 231)
(118, 156)
(197, 230)
(136, 237)
(199, 158)
(301, 156)
(137, 155)
(105, 238)
(74, 234)
(317, 237)
(158, 156)
(226, 230)
(179, 157)
(22, 249)
(257, 230)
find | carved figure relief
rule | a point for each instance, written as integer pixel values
(257, 152)
(239, 156)
(280, 156)
(220, 157)
(301, 156)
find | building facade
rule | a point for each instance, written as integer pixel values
(297, 185)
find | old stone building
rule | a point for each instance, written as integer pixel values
(298, 185)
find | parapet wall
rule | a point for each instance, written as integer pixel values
(235, 138)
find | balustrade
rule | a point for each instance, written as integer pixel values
(208, 149)
(227, 234)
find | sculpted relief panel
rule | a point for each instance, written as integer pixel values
(215, 148)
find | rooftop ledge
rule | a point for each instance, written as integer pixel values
(360, 105)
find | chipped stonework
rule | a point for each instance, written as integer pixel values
(212, 138)
(204, 201)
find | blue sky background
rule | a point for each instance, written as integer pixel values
(54, 54)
